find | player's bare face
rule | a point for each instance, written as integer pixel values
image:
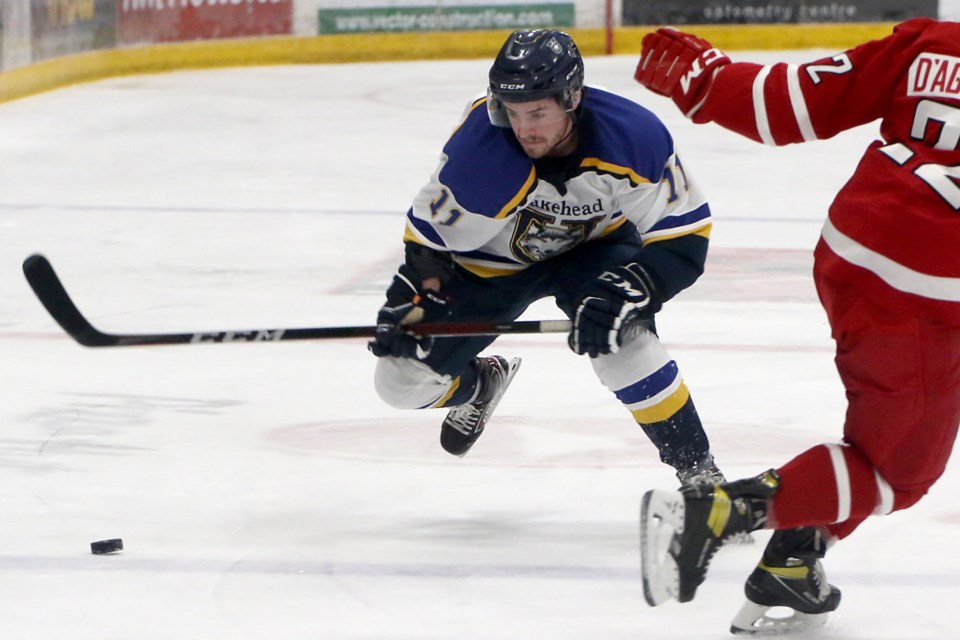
(542, 127)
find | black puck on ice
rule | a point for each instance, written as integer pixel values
(106, 546)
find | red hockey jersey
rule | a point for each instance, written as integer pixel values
(895, 225)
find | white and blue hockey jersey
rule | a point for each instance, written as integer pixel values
(496, 211)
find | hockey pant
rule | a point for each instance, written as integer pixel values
(902, 379)
(641, 374)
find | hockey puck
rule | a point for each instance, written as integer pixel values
(101, 547)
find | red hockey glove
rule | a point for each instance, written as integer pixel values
(680, 66)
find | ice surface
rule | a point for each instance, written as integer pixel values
(264, 491)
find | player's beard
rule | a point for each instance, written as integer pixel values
(539, 146)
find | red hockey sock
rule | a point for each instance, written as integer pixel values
(826, 484)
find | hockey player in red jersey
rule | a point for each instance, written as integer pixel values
(887, 270)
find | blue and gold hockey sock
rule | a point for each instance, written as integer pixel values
(679, 438)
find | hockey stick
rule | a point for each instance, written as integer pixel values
(45, 283)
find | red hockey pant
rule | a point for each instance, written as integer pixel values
(902, 381)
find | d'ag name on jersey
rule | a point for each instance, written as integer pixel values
(933, 75)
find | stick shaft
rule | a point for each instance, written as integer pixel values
(54, 297)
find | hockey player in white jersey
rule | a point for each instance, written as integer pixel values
(549, 188)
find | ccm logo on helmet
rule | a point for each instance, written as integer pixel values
(511, 86)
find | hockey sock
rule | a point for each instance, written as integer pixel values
(680, 438)
(826, 484)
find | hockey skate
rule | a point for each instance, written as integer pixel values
(790, 577)
(464, 423)
(706, 473)
(681, 531)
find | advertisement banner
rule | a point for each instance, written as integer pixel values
(677, 12)
(144, 21)
(444, 18)
(62, 27)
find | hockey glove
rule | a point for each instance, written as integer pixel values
(406, 305)
(680, 66)
(615, 306)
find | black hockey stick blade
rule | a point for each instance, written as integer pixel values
(45, 283)
(48, 288)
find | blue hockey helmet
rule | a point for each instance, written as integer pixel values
(532, 65)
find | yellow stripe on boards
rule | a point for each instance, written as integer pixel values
(274, 50)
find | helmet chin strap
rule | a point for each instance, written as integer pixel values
(573, 128)
(572, 113)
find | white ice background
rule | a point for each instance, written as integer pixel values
(263, 491)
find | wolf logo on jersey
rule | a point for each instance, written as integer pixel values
(539, 237)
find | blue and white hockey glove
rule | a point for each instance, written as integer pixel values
(405, 306)
(614, 306)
